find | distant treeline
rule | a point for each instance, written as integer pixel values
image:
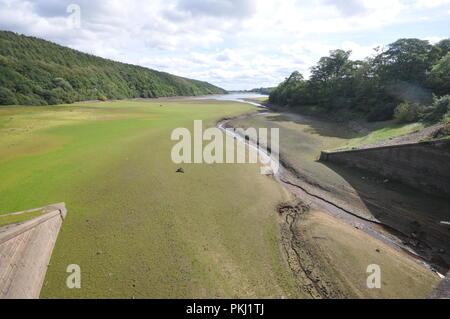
(406, 71)
(265, 91)
(38, 72)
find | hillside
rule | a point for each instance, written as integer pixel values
(39, 72)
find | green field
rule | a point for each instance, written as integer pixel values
(136, 228)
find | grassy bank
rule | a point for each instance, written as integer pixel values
(135, 227)
(258, 99)
(359, 132)
(382, 132)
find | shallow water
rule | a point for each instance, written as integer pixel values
(237, 97)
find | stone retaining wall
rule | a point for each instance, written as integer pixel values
(424, 165)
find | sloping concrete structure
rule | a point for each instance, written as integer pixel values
(424, 165)
(442, 290)
(25, 251)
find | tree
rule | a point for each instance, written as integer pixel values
(285, 92)
(332, 79)
(7, 97)
(444, 47)
(407, 60)
(333, 67)
(438, 110)
(439, 76)
(408, 112)
(408, 71)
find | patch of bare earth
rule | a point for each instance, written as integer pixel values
(329, 258)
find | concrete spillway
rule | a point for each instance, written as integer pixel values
(25, 252)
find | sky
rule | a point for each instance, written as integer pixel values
(235, 44)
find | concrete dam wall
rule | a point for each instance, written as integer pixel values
(424, 165)
(25, 251)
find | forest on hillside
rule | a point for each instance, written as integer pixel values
(38, 72)
(409, 80)
(265, 91)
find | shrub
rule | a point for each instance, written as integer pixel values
(381, 112)
(101, 97)
(438, 111)
(7, 97)
(62, 83)
(408, 112)
(4, 61)
(30, 100)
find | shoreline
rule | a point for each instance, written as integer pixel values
(376, 229)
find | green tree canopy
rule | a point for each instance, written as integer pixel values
(408, 70)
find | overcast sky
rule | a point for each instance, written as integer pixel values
(235, 44)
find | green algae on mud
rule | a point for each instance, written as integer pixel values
(135, 227)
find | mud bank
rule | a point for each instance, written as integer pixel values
(391, 213)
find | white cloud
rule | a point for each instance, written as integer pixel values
(359, 52)
(431, 3)
(232, 43)
(434, 40)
